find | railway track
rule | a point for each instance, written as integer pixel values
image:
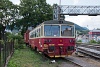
(80, 62)
(75, 61)
(91, 50)
(88, 51)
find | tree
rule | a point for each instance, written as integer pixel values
(8, 13)
(33, 12)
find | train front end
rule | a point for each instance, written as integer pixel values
(59, 47)
(59, 39)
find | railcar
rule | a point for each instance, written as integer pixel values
(53, 38)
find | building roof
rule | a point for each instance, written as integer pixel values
(95, 31)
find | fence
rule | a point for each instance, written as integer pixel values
(6, 48)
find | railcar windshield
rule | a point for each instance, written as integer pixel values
(51, 30)
(67, 30)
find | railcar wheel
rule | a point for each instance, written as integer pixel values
(27, 44)
(35, 49)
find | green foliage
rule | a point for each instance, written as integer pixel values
(28, 58)
(93, 41)
(98, 41)
(13, 64)
(33, 12)
(18, 45)
(1, 41)
(8, 12)
(18, 40)
(79, 41)
(28, 13)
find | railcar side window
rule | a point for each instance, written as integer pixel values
(67, 30)
(30, 35)
(35, 33)
(52, 30)
(41, 30)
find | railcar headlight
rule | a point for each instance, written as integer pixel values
(45, 45)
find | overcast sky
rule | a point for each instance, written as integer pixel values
(86, 21)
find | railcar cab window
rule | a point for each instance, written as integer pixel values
(51, 30)
(67, 30)
(37, 32)
(31, 35)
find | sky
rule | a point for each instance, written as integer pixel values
(91, 22)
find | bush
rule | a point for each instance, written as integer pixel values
(98, 42)
(79, 41)
(18, 40)
(18, 45)
(93, 41)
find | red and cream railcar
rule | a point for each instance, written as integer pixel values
(53, 38)
(26, 37)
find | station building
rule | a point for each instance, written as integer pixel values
(94, 35)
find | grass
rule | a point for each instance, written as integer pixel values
(28, 58)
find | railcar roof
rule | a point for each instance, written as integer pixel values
(57, 22)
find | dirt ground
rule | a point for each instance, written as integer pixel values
(88, 59)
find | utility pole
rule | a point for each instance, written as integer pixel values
(60, 2)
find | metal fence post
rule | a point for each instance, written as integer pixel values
(6, 49)
(0, 48)
(0, 54)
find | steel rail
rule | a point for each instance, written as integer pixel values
(88, 51)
